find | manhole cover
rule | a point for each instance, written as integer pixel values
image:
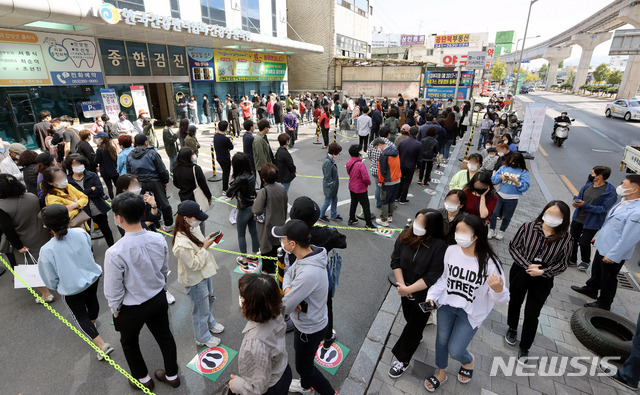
(600, 150)
(625, 282)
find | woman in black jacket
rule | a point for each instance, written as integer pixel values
(28, 164)
(85, 149)
(243, 188)
(284, 161)
(107, 159)
(417, 262)
(183, 176)
(89, 183)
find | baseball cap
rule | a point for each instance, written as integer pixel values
(102, 135)
(405, 127)
(306, 210)
(142, 111)
(294, 229)
(192, 128)
(54, 216)
(189, 208)
(44, 157)
(140, 139)
(17, 148)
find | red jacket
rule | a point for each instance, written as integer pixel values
(326, 118)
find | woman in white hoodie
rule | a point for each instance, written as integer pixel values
(196, 266)
(472, 282)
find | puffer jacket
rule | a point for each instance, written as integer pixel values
(243, 188)
(146, 163)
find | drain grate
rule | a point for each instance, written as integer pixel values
(625, 282)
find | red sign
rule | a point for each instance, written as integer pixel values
(485, 88)
(455, 60)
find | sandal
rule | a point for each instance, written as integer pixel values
(468, 373)
(435, 383)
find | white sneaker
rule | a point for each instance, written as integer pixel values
(296, 387)
(381, 222)
(500, 235)
(214, 341)
(170, 298)
(491, 234)
(390, 219)
(217, 329)
(107, 349)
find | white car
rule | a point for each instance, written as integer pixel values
(624, 108)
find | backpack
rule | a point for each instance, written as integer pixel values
(428, 145)
(333, 270)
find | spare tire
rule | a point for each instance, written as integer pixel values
(603, 332)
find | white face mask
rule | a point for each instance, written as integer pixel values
(283, 244)
(450, 207)
(552, 221)
(500, 153)
(194, 158)
(195, 224)
(491, 155)
(418, 230)
(135, 190)
(463, 239)
(62, 184)
(623, 192)
(78, 169)
(472, 167)
(240, 301)
(487, 146)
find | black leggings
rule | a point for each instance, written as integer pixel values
(110, 182)
(363, 199)
(363, 141)
(325, 135)
(103, 224)
(84, 308)
(425, 171)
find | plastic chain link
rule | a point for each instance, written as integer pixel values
(228, 251)
(347, 137)
(355, 228)
(77, 332)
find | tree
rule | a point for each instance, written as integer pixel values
(498, 70)
(530, 77)
(601, 72)
(543, 71)
(614, 77)
(561, 65)
(572, 76)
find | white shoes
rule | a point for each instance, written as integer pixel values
(106, 349)
(296, 387)
(500, 235)
(213, 342)
(217, 329)
(381, 222)
(170, 298)
(491, 234)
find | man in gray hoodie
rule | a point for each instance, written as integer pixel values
(306, 286)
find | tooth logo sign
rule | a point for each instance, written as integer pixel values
(109, 13)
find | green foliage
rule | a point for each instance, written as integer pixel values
(601, 72)
(614, 77)
(498, 70)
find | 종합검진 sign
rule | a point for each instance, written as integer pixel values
(452, 41)
(248, 66)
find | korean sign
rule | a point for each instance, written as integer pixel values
(111, 106)
(447, 78)
(112, 16)
(490, 54)
(29, 58)
(476, 60)
(409, 39)
(455, 60)
(201, 63)
(452, 41)
(247, 66)
(140, 59)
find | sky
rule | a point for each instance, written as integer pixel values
(548, 18)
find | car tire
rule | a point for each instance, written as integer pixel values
(607, 113)
(603, 332)
(627, 116)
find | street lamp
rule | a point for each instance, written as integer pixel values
(515, 91)
(518, 43)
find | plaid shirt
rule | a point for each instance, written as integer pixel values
(374, 155)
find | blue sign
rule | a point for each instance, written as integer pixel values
(201, 64)
(92, 109)
(446, 92)
(77, 78)
(526, 61)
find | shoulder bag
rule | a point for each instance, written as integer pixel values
(260, 218)
(199, 196)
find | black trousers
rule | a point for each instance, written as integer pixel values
(405, 181)
(282, 386)
(536, 290)
(412, 333)
(325, 135)
(329, 331)
(363, 199)
(155, 315)
(226, 172)
(425, 171)
(160, 194)
(84, 307)
(582, 238)
(103, 224)
(306, 346)
(269, 265)
(363, 141)
(110, 182)
(292, 137)
(604, 278)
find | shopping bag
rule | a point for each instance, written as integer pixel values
(29, 273)
(233, 215)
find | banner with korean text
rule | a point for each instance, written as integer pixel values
(248, 66)
(452, 41)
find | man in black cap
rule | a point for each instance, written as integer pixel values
(145, 162)
(306, 287)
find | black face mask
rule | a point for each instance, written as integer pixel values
(480, 191)
(590, 178)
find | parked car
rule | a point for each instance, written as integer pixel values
(624, 108)
(524, 89)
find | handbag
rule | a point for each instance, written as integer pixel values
(199, 196)
(28, 273)
(260, 218)
(79, 219)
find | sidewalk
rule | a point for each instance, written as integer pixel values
(554, 337)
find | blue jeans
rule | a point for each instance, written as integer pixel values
(482, 139)
(171, 160)
(631, 369)
(333, 201)
(508, 207)
(245, 218)
(202, 297)
(447, 148)
(377, 193)
(286, 185)
(280, 127)
(453, 337)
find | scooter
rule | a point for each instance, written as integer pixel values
(560, 133)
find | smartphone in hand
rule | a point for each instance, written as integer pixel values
(427, 307)
(215, 236)
(304, 306)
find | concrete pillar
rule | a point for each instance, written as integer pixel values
(588, 42)
(631, 77)
(555, 55)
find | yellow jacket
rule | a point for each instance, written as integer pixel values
(68, 195)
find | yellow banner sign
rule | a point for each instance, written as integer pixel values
(248, 66)
(452, 41)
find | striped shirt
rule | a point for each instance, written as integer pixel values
(373, 154)
(529, 246)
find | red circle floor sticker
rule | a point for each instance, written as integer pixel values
(212, 360)
(331, 358)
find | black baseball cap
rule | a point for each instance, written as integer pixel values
(139, 140)
(192, 128)
(306, 210)
(189, 208)
(294, 229)
(44, 157)
(54, 216)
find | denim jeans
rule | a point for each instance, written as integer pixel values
(171, 160)
(377, 194)
(447, 148)
(286, 185)
(202, 297)
(333, 201)
(245, 218)
(508, 207)
(453, 337)
(482, 139)
(631, 369)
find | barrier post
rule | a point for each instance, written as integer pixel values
(473, 128)
(231, 129)
(317, 133)
(334, 135)
(280, 269)
(213, 165)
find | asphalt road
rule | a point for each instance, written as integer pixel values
(40, 355)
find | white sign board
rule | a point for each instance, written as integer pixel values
(111, 106)
(476, 60)
(139, 99)
(534, 115)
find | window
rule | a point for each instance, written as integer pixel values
(350, 45)
(136, 5)
(429, 52)
(250, 11)
(348, 4)
(213, 12)
(175, 9)
(274, 18)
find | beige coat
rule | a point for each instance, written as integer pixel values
(194, 263)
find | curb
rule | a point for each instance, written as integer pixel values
(363, 368)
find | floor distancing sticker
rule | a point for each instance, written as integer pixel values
(212, 361)
(331, 359)
(435, 181)
(431, 192)
(384, 232)
(438, 172)
(252, 267)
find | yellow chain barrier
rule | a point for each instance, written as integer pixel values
(347, 137)
(227, 251)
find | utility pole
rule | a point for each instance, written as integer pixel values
(526, 28)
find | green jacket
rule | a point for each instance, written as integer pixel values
(170, 142)
(192, 143)
(261, 151)
(151, 134)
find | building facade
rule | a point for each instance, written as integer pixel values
(91, 57)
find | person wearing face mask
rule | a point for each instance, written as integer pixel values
(191, 141)
(453, 212)
(481, 196)
(97, 127)
(462, 177)
(592, 203)
(196, 267)
(614, 244)
(56, 189)
(124, 125)
(8, 164)
(389, 176)
(106, 159)
(540, 251)
(85, 149)
(69, 135)
(508, 141)
(152, 216)
(490, 160)
(471, 284)
(504, 155)
(563, 117)
(187, 176)
(417, 262)
(514, 180)
(486, 127)
(88, 182)
(488, 144)
(331, 183)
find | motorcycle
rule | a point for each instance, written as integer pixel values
(560, 132)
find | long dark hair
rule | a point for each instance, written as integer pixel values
(262, 299)
(182, 127)
(450, 121)
(434, 226)
(27, 158)
(105, 144)
(483, 177)
(48, 175)
(240, 163)
(462, 197)
(517, 161)
(184, 157)
(559, 231)
(124, 181)
(182, 226)
(483, 249)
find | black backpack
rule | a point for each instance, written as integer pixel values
(428, 148)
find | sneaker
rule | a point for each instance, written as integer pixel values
(48, 299)
(499, 235)
(572, 264)
(403, 201)
(370, 226)
(390, 219)
(583, 266)
(352, 222)
(218, 328)
(523, 357)
(419, 182)
(614, 374)
(106, 349)
(491, 234)
(296, 387)
(324, 218)
(511, 337)
(382, 223)
(170, 298)
(213, 342)
(398, 369)
(337, 218)
(167, 228)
